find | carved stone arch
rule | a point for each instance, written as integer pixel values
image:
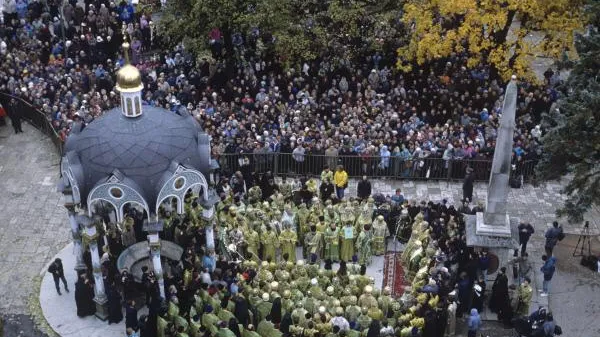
(118, 194)
(182, 180)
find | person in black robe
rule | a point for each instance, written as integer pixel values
(115, 312)
(131, 319)
(374, 329)
(441, 315)
(286, 322)
(499, 290)
(431, 325)
(241, 311)
(276, 311)
(84, 297)
(478, 294)
(233, 326)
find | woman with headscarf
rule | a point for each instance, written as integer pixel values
(241, 311)
(374, 329)
(276, 312)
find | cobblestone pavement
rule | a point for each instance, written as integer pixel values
(34, 226)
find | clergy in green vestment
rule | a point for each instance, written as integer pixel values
(347, 236)
(269, 242)
(332, 243)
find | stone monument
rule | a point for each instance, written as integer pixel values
(494, 229)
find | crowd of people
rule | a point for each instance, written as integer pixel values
(289, 262)
(61, 58)
(65, 66)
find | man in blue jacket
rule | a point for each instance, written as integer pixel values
(548, 270)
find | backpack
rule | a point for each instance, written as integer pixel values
(557, 330)
(561, 235)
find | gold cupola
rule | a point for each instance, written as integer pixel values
(129, 85)
(129, 78)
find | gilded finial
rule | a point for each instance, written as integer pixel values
(125, 47)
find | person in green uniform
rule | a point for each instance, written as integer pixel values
(269, 243)
(249, 332)
(224, 331)
(210, 320)
(363, 245)
(347, 236)
(288, 239)
(524, 294)
(264, 307)
(332, 243)
(253, 242)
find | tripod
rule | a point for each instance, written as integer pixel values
(584, 238)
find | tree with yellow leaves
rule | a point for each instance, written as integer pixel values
(496, 32)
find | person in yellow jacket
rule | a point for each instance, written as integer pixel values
(340, 178)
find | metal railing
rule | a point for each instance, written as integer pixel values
(433, 168)
(34, 116)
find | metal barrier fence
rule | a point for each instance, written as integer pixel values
(433, 168)
(35, 117)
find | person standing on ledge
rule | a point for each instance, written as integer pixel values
(341, 181)
(56, 269)
(468, 185)
(363, 190)
(15, 117)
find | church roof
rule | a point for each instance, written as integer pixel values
(141, 148)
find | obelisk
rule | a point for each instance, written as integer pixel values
(492, 229)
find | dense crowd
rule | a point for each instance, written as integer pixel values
(61, 57)
(288, 262)
(252, 105)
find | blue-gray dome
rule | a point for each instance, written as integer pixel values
(141, 148)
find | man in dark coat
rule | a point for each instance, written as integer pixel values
(552, 237)
(326, 189)
(468, 185)
(15, 115)
(525, 231)
(363, 190)
(58, 273)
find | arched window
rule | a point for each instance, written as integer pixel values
(138, 108)
(129, 111)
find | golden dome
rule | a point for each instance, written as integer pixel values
(129, 78)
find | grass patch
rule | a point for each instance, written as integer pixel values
(35, 310)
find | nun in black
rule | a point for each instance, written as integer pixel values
(284, 327)
(276, 312)
(241, 312)
(115, 310)
(374, 329)
(233, 326)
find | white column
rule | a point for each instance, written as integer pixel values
(96, 267)
(154, 243)
(210, 236)
(77, 247)
(208, 214)
(100, 298)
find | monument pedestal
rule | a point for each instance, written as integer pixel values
(499, 240)
(101, 308)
